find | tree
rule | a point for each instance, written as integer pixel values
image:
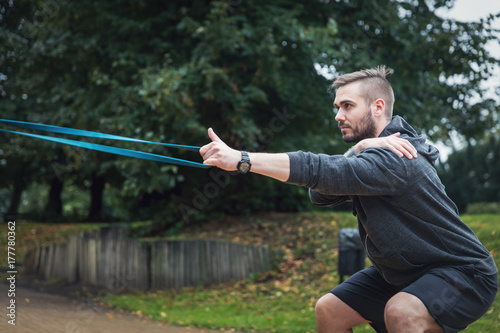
(472, 175)
(166, 71)
(438, 63)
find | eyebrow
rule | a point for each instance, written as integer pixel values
(343, 102)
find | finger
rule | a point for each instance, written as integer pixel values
(411, 149)
(211, 161)
(396, 134)
(406, 147)
(203, 150)
(403, 148)
(208, 150)
(413, 152)
(397, 150)
(213, 136)
(406, 153)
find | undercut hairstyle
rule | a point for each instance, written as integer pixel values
(374, 86)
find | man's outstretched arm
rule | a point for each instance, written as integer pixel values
(218, 154)
(277, 166)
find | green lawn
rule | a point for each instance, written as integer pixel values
(282, 300)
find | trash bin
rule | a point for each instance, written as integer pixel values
(351, 252)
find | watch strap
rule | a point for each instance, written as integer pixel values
(245, 157)
(244, 165)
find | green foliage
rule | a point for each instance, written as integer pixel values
(168, 70)
(438, 63)
(473, 174)
(483, 208)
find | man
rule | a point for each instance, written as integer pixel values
(430, 273)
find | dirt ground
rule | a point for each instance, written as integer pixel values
(42, 312)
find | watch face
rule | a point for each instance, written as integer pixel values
(244, 167)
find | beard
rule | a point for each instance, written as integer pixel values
(365, 129)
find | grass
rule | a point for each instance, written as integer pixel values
(486, 228)
(281, 300)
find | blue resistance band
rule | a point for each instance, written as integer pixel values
(98, 147)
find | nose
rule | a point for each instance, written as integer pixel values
(340, 116)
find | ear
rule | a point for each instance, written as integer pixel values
(378, 107)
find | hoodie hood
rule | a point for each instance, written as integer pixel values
(424, 149)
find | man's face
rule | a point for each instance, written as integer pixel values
(353, 114)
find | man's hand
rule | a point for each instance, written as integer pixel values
(400, 146)
(218, 154)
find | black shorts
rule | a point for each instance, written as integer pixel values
(455, 296)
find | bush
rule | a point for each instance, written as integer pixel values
(483, 208)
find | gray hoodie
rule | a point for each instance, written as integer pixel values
(406, 221)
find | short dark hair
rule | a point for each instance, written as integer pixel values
(375, 85)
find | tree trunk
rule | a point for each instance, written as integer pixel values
(15, 197)
(96, 193)
(54, 205)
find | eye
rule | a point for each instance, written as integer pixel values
(347, 105)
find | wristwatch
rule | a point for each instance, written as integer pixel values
(244, 165)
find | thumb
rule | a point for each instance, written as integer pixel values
(213, 136)
(396, 134)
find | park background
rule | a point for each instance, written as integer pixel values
(258, 73)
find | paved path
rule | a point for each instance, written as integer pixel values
(47, 313)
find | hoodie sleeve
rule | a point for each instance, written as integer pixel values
(374, 171)
(323, 200)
